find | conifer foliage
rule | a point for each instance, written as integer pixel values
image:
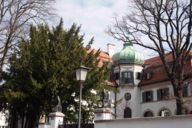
(42, 68)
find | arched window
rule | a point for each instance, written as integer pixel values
(127, 112)
(148, 114)
(164, 112)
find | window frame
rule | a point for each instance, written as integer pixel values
(145, 96)
(127, 77)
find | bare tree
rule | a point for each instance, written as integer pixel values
(167, 24)
(15, 18)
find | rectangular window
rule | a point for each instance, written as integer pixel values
(163, 94)
(127, 77)
(147, 96)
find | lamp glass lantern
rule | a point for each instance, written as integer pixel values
(81, 73)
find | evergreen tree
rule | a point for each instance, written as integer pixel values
(42, 68)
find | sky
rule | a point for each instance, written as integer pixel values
(94, 16)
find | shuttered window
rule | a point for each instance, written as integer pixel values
(147, 96)
(163, 94)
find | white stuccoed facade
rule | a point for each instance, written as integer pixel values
(156, 106)
(139, 107)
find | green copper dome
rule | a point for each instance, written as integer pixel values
(128, 55)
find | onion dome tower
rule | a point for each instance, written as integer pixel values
(127, 70)
(128, 55)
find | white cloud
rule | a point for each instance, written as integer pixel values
(94, 16)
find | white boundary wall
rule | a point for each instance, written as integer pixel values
(155, 122)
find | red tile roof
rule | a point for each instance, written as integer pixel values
(155, 67)
(103, 56)
(157, 61)
(157, 73)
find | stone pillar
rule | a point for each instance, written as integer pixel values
(103, 114)
(56, 119)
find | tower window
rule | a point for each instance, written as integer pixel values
(127, 77)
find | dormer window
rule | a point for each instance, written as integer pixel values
(147, 75)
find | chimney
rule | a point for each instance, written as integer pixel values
(110, 49)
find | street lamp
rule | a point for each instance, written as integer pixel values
(81, 73)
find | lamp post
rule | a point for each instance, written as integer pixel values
(81, 73)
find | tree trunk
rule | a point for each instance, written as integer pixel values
(178, 93)
(179, 104)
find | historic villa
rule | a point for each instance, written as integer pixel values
(143, 87)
